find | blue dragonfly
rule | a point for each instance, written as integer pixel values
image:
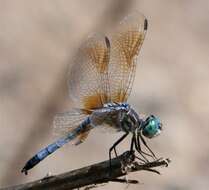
(100, 82)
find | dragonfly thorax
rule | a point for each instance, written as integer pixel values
(120, 106)
(130, 120)
(119, 116)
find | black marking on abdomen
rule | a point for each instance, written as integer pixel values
(42, 154)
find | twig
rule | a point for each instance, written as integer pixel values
(94, 174)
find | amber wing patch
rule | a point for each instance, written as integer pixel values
(94, 101)
(88, 78)
(126, 42)
(98, 55)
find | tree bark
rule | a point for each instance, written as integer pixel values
(93, 174)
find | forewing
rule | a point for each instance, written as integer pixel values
(88, 78)
(126, 42)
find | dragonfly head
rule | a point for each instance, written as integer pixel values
(151, 127)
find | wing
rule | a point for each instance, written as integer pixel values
(126, 42)
(88, 78)
(103, 72)
(65, 122)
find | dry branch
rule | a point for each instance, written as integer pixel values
(94, 174)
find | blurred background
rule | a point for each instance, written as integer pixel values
(37, 42)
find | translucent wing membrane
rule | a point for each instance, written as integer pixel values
(126, 42)
(67, 121)
(88, 79)
(104, 68)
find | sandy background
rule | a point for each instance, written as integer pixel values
(37, 42)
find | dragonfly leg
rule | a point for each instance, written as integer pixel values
(139, 150)
(114, 147)
(133, 142)
(145, 144)
(133, 139)
(139, 147)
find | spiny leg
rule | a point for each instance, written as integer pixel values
(114, 147)
(133, 139)
(133, 142)
(145, 144)
(139, 147)
(120, 125)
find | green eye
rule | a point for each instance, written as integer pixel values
(152, 123)
(152, 127)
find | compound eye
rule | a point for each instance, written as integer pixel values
(152, 123)
(152, 127)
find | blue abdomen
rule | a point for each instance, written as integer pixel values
(42, 154)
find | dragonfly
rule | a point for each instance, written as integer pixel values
(99, 83)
